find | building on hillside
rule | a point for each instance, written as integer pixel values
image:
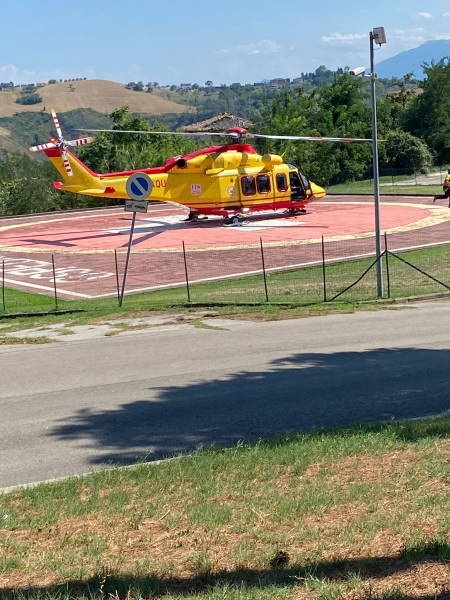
(6, 86)
(185, 86)
(278, 82)
(218, 124)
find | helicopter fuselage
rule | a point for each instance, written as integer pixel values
(221, 180)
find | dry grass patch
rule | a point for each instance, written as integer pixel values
(359, 514)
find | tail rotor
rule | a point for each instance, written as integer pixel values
(62, 144)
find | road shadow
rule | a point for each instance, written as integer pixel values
(298, 393)
(370, 570)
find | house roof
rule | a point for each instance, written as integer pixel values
(219, 123)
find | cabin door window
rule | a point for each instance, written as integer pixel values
(282, 185)
(263, 182)
(248, 185)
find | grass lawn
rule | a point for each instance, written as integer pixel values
(341, 514)
(302, 286)
(366, 187)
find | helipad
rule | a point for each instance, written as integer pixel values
(83, 244)
(165, 228)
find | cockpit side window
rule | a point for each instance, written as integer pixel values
(248, 185)
(297, 189)
(294, 179)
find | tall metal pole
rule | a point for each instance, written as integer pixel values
(376, 184)
(130, 241)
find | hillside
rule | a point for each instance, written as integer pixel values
(30, 128)
(7, 143)
(102, 96)
(411, 60)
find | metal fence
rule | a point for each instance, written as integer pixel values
(393, 181)
(302, 273)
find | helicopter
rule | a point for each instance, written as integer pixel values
(229, 180)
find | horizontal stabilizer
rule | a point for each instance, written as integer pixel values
(97, 192)
(80, 189)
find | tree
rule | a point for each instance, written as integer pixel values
(26, 186)
(208, 83)
(138, 87)
(118, 152)
(429, 114)
(52, 81)
(404, 151)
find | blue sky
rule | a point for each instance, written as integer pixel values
(180, 41)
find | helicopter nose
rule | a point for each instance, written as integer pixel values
(318, 192)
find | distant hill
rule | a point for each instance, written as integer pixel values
(411, 60)
(31, 128)
(100, 95)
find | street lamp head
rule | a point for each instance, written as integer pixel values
(358, 71)
(379, 35)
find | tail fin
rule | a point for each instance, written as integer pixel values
(83, 178)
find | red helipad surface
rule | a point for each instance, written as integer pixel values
(83, 243)
(164, 228)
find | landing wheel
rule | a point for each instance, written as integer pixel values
(296, 211)
(233, 220)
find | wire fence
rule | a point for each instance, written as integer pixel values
(302, 273)
(394, 181)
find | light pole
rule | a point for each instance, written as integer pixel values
(377, 36)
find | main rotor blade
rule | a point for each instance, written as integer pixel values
(67, 164)
(307, 138)
(55, 120)
(42, 147)
(199, 134)
(80, 142)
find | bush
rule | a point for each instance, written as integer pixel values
(29, 99)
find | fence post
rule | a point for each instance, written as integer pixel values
(264, 269)
(323, 272)
(54, 282)
(117, 276)
(386, 252)
(3, 287)
(186, 272)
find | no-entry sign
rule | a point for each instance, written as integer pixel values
(139, 186)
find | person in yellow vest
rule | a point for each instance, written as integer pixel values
(446, 189)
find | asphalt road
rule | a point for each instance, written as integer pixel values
(71, 407)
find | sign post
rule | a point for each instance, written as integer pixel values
(139, 186)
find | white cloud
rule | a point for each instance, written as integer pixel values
(447, 15)
(345, 38)
(425, 15)
(20, 76)
(261, 47)
(408, 35)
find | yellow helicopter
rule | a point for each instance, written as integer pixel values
(230, 180)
